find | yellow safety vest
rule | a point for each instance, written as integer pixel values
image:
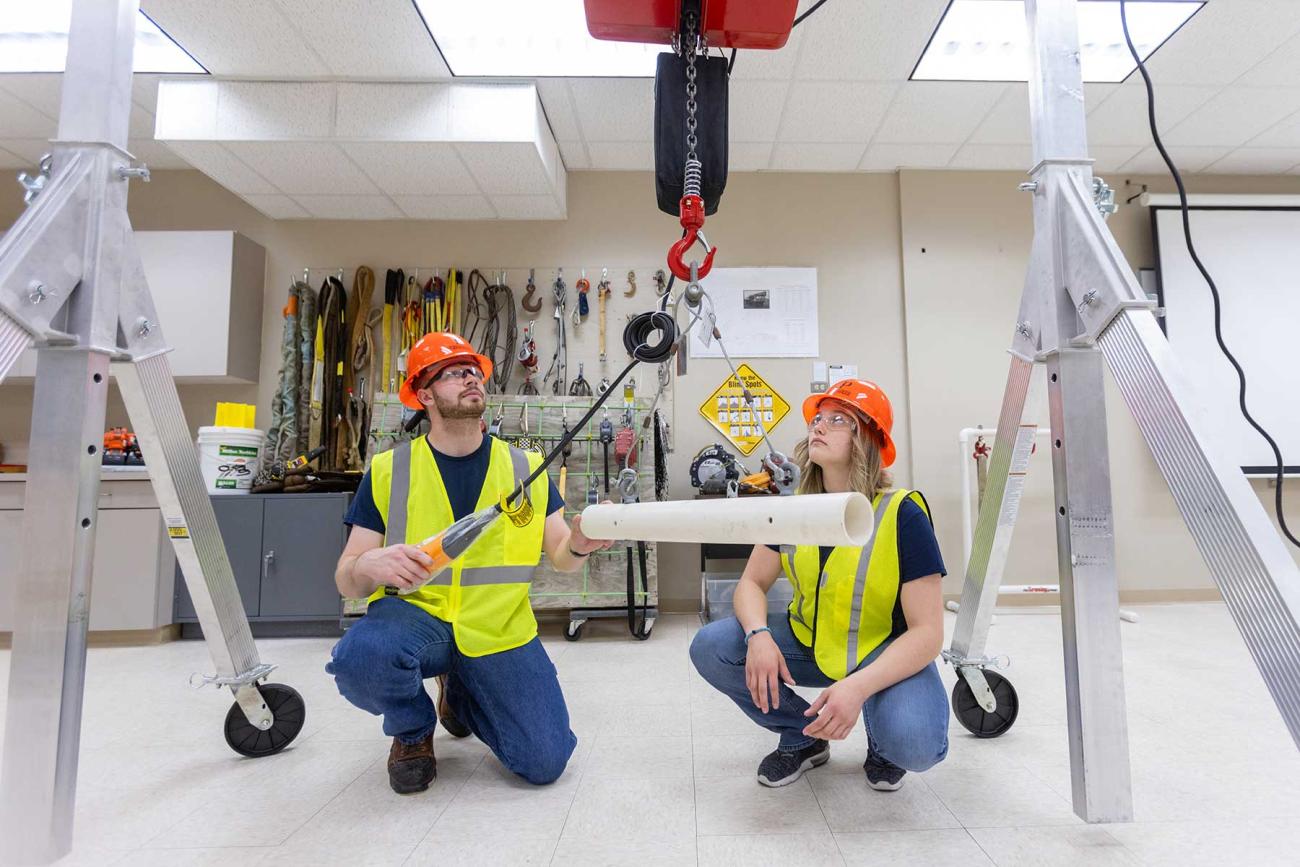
(847, 610)
(484, 595)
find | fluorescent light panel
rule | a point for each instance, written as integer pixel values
(34, 38)
(529, 38)
(988, 40)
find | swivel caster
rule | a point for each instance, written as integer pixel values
(290, 713)
(573, 631)
(974, 718)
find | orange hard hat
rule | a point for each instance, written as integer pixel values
(437, 349)
(865, 397)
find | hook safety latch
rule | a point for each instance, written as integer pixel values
(692, 219)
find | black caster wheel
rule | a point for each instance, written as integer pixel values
(285, 704)
(573, 631)
(643, 634)
(974, 718)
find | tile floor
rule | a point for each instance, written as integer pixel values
(664, 772)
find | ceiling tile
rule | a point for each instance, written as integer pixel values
(188, 109)
(349, 207)
(890, 157)
(506, 168)
(412, 168)
(1256, 161)
(11, 160)
(622, 156)
(1224, 40)
(303, 167)
(879, 40)
(554, 94)
(1189, 160)
(278, 207)
(816, 157)
(575, 155)
(748, 156)
(1008, 121)
(218, 163)
(1279, 69)
(775, 65)
(754, 109)
(411, 112)
(156, 155)
(246, 38)
(494, 111)
(275, 110)
(381, 39)
(40, 90)
(986, 157)
(1108, 158)
(22, 121)
(1121, 118)
(445, 207)
(834, 111)
(527, 208)
(30, 150)
(614, 109)
(939, 112)
(144, 91)
(1234, 117)
(1284, 134)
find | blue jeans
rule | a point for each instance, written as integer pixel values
(510, 700)
(907, 723)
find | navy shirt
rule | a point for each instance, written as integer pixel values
(918, 554)
(462, 476)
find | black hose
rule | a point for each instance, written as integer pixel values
(1209, 281)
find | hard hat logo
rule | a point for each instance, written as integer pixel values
(437, 349)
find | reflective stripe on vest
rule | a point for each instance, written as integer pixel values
(484, 593)
(859, 584)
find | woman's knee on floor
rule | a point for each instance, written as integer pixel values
(910, 728)
(717, 646)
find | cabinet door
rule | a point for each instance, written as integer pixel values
(240, 520)
(301, 543)
(124, 586)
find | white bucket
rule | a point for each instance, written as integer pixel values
(229, 457)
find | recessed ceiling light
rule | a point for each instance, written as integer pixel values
(987, 40)
(34, 38)
(529, 38)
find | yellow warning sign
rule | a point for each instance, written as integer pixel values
(727, 411)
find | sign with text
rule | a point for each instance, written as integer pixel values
(726, 410)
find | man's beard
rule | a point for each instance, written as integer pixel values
(457, 409)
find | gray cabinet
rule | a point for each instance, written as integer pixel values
(282, 549)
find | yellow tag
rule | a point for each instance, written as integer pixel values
(521, 513)
(181, 532)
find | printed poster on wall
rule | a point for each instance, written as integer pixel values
(727, 411)
(761, 313)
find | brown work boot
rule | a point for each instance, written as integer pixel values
(411, 767)
(446, 716)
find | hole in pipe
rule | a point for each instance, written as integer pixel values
(1061, 510)
(98, 377)
(90, 450)
(85, 522)
(1058, 444)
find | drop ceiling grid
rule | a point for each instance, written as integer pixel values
(396, 45)
(1257, 161)
(238, 38)
(1234, 117)
(1224, 41)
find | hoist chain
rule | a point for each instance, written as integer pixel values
(690, 46)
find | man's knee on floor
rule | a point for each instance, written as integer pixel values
(364, 659)
(543, 763)
(715, 644)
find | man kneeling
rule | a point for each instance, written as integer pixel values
(471, 627)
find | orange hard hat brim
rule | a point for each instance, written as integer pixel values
(407, 392)
(888, 451)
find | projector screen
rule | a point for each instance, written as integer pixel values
(1253, 254)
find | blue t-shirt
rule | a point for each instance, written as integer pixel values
(463, 477)
(918, 554)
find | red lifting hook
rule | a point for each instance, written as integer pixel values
(692, 209)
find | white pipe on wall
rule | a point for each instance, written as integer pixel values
(807, 519)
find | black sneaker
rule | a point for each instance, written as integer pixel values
(781, 768)
(882, 775)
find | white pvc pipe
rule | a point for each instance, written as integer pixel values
(805, 519)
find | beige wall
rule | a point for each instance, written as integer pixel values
(931, 327)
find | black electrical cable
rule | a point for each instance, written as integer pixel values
(635, 336)
(1200, 266)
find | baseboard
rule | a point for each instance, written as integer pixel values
(118, 637)
(1126, 597)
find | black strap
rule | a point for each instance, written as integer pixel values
(635, 625)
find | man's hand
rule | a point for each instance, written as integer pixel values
(580, 543)
(402, 566)
(837, 710)
(765, 670)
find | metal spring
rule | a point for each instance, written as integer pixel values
(694, 178)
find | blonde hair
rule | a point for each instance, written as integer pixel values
(866, 475)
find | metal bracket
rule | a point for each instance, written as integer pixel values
(260, 672)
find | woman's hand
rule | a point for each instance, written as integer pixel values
(580, 543)
(765, 670)
(837, 710)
